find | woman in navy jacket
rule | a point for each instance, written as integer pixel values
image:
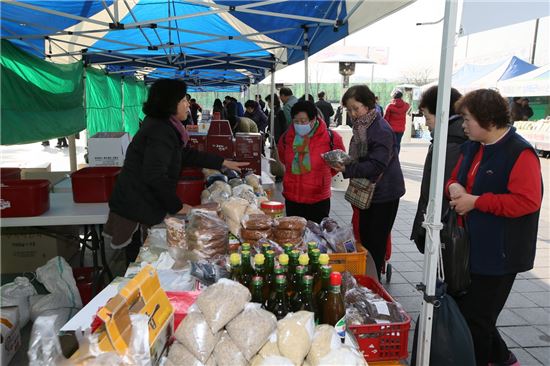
(497, 187)
(375, 155)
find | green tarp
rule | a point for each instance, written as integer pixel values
(103, 102)
(40, 100)
(135, 93)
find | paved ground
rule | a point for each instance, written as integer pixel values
(525, 321)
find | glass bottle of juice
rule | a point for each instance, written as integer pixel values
(278, 304)
(268, 268)
(334, 311)
(246, 269)
(297, 297)
(235, 262)
(310, 246)
(291, 274)
(306, 300)
(317, 284)
(257, 290)
(321, 296)
(303, 260)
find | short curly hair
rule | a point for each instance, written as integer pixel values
(164, 96)
(362, 94)
(487, 106)
(304, 106)
(428, 100)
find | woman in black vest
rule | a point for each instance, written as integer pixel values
(497, 187)
(145, 189)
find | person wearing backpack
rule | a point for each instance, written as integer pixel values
(307, 179)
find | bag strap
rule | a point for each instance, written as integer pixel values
(331, 139)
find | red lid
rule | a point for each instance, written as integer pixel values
(335, 279)
(272, 205)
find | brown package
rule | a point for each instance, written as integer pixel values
(291, 223)
(288, 234)
(257, 222)
(255, 235)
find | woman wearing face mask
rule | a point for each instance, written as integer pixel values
(374, 151)
(307, 179)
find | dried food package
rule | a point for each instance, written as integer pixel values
(234, 209)
(251, 329)
(180, 356)
(348, 281)
(226, 352)
(334, 157)
(196, 335)
(219, 185)
(291, 223)
(355, 317)
(208, 172)
(222, 302)
(295, 334)
(254, 235)
(206, 234)
(205, 196)
(274, 361)
(175, 232)
(325, 339)
(253, 180)
(340, 239)
(328, 224)
(344, 355)
(235, 182)
(290, 235)
(208, 272)
(257, 222)
(211, 179)
(218, 196)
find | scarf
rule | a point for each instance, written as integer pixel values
(184, 135)
(358, 145)
(301, 163)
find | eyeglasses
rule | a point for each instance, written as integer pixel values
(302, 121)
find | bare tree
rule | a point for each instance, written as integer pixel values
(417, 76)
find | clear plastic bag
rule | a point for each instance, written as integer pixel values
(17, 293)
(334, 157)
(340, 238)
(295, 334)
(207, 272)
(196, 335)
(344, 355)
(325, 340)
(226, 352)
(222, 302)
(44, 347)
(175, 232)
(179, 355)
(253, 180)
(207, 235)
(251, 329)
(245, 192)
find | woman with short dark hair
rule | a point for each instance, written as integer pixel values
(497, 187)
(307, 179)
(145, 189)
(455, 138)
(374, 153)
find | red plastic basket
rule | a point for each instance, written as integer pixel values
(22, 198)
(189, 190)
(382, 342)
(94, 184)
(10, 174)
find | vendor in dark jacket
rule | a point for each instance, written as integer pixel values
(145, 190)
(373, 149)
(455, 138)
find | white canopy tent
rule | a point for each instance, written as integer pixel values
(532, 84)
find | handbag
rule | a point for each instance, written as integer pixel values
(276, 167)
(455, 249)
(360, 192)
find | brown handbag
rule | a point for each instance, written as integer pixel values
(360, 192)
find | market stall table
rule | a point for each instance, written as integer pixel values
(64, 211)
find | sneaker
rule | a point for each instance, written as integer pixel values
(45, 143)
(512, 361)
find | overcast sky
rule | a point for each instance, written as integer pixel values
(415, 48)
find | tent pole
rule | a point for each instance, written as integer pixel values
(306, 63)
(535, 41)
(433, 216)
(272, 108)
(122, 102)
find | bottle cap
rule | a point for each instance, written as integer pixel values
(295, 253)
(283, 259)
(315, 253)
(324, 259)
(288, 247)
(235, 259)
(312, 245)
(257, 280)
(280, 279)
(245, 246)
(335, 279)
(303, 259)
(259, 259)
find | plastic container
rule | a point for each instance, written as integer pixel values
(191, 172)
(181, 301)
(84, 277)
(94, 184)
(9, 174)
(356, 263)
(273, 208)
(382, 342)
(23, 198)
(189, 190)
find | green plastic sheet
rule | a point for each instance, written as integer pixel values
(40, 100)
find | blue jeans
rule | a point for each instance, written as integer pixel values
(398, 137)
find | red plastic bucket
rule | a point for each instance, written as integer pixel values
(94, 184)
(9, 174)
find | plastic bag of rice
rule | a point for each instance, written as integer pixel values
(344, 355)
(195, 334)
(270, 348)
(251, 329)
(294, 335)
(275, 361)
(222, 302)
(226, 352)
(179, 356)
(325, 340)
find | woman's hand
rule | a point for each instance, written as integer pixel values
(339, 167)
(456, 190)
(464, 203)
(185, 209)
(234, 165)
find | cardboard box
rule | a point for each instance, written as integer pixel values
(197, 141)
(53, 177)
(222, 145)
(220, 127)
(248, 146)
(108, 148)
(10, 339)
(25, 249)
(255, 166)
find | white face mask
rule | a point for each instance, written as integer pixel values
(302, 130)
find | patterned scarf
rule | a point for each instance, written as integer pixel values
(184, 135)
(301, 163)
(358, 145)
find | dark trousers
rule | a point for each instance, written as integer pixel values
(375, 224)
(313, 211)
(481, 307)
(398, 137)
(132, 249)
